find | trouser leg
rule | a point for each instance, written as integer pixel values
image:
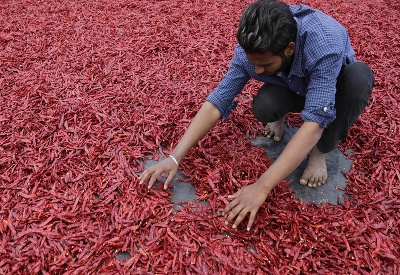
(354, 87)
(272, 102)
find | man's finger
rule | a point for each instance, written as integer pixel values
(251, 219)
(235, 211)
(168, 180)
(230, 206)
(240, 217)
(143, 177)
(233, 196)
(146, 174)
(153, 179)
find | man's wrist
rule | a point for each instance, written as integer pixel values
(265, 185)
(174, 159)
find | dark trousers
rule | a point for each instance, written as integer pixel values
(353, 89)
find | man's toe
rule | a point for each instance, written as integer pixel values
(303, 182)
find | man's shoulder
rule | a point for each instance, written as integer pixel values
(309, 19)
(301, 10)
(239, 51)
(319, 30)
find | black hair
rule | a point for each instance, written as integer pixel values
(266, 25)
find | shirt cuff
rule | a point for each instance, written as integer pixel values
(323, 116)
(222, 105)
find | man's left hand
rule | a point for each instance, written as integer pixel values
(247, 200)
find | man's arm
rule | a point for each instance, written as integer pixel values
(294, 153)
(250, 198)
(204, 120)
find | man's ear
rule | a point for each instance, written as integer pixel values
(289, 51)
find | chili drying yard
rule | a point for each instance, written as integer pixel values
(88, 88)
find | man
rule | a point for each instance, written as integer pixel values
(305, 59)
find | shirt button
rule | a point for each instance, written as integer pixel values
(325, 109)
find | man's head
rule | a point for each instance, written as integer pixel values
(267, 29)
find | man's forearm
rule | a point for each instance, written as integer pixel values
(293, 154)
(204, 120)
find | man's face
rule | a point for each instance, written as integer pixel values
(270, 64)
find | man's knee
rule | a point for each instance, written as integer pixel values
(358, 77)
(273, 102)
(355, 85)
(263, 110)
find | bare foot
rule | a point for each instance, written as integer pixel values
(275, 129)
(316, 172)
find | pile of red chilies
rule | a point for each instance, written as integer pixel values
(90, 88)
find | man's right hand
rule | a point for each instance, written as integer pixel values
(167, 165)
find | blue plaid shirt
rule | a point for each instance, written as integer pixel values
(322, 48)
